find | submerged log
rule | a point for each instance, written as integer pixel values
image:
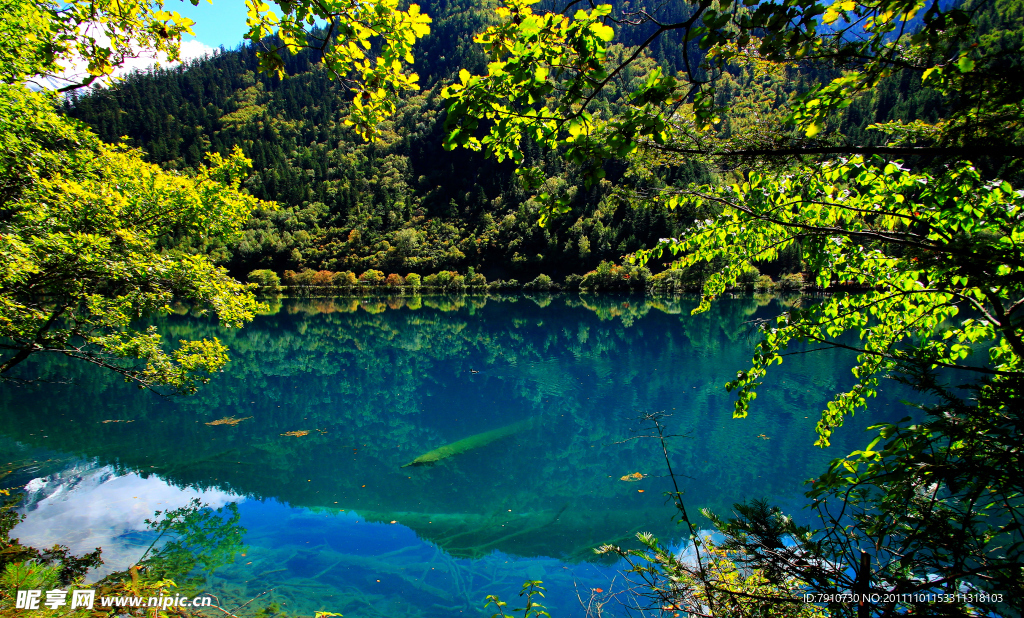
(472, 442)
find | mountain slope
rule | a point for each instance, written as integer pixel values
(403, 204)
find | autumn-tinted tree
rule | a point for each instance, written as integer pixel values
(83, 230)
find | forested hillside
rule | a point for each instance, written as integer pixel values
(404, 204)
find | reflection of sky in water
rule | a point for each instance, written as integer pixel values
(305, 560)
(85, 507)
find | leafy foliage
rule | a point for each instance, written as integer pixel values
(955, 547)
(365, 44)
(708, 582)
(927, 246)
(39, 39)
(265, 279)
(550, 72)
(403, 204)
(84, 228)
(532, 608)
(190, 539)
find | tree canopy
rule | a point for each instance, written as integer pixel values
(551, 77)
(352, 30)
(84, 224)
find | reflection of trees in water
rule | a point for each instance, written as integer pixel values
(376, 386)
(191, 543)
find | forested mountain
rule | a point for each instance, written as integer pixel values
(404, 204)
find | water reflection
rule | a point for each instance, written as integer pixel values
(86, 506)
(296, 560)
(326, 399)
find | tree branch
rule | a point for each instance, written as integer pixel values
(910, 151)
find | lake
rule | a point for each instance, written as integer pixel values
(301, 442)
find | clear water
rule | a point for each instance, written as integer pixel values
(540, 396)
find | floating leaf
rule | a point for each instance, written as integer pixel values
(228, 420)
(297, 434)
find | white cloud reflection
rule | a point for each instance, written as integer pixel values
(85, 507)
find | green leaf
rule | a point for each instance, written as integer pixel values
(603, 32)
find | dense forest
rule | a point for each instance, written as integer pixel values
(404, 204)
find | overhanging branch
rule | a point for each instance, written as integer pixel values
(906, 151)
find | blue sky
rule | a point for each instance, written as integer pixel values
(220, 23)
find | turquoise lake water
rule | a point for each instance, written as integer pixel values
(325, 400)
